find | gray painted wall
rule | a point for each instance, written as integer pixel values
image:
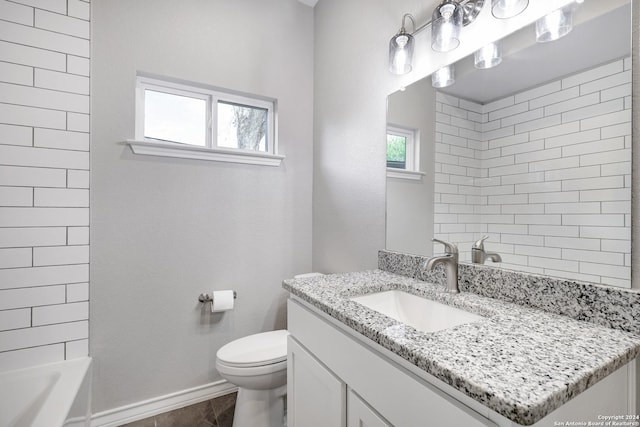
(164, 230)
(351, 86)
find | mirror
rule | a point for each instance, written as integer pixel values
(535, 153)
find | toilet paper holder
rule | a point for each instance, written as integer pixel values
(206, 298)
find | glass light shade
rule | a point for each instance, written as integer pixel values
(400, 53)
(446, 24)
(488, 56)
(504, 9)
(554, 25)
(443, 77)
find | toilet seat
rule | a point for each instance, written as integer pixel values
(251, 371)
(254, 351)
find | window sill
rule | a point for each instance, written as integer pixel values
(203, 153)
(404, 174)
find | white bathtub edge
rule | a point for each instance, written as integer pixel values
(158, 405)
(57, 404)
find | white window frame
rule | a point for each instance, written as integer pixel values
(412, 153)
(211, 151)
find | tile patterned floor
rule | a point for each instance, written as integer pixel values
(211, 413)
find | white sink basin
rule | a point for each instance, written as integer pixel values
(421, 313)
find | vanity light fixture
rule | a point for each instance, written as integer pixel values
(443, 77)
(554, 25)
(488, 56)
(447, 21)
(504, 9)
(401, 49)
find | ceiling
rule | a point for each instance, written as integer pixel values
(597, 37)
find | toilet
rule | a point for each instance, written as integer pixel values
(257, 364)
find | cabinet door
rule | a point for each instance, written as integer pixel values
(315, 396)
(359, 414)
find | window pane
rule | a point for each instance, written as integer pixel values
(396, 151)
(175, 118)
(241, 126)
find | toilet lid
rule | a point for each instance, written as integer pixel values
(255, 350)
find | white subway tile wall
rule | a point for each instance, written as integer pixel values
(545, 172)
(44, 181)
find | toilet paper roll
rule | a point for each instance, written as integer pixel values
(222, 301)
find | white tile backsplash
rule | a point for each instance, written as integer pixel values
(15, 319)
(23, 358)
(44, 39)
(51, 138)
(61, 255)
(39, 216)
(62, 313)
(77, 292)
(78, 122)
(16, 257)
(32, 236)
(78, 348)
(558, 161)
(29, 116)
(62, 81)
(43, 98)
(62, 24)
(16, 12)
(78, 9)
(14, 73)
(44, 181)
(31, 297)
(27, 55)
(16, 196)
(32, 177)
(43, 335)
(11, 278)
(61, 197)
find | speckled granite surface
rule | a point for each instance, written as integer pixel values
(603, 305)
(520, 362)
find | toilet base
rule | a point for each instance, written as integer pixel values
(260, 407)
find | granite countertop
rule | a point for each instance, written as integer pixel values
(520, 362)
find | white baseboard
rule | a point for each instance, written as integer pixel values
(158, 405)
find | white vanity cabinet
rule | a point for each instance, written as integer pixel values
(320, 398)
(359, 414)
(339, 378)
(325, 362)
(319, 395)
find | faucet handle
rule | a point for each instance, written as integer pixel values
(449, 248)
(480, 243)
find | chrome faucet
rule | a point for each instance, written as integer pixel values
(450, 261)
(479, 255)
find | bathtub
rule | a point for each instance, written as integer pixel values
(52, 395)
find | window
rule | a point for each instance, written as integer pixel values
(402, 153)
(193, 121)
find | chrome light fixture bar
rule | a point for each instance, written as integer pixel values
(401, 49)
(452, 14)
